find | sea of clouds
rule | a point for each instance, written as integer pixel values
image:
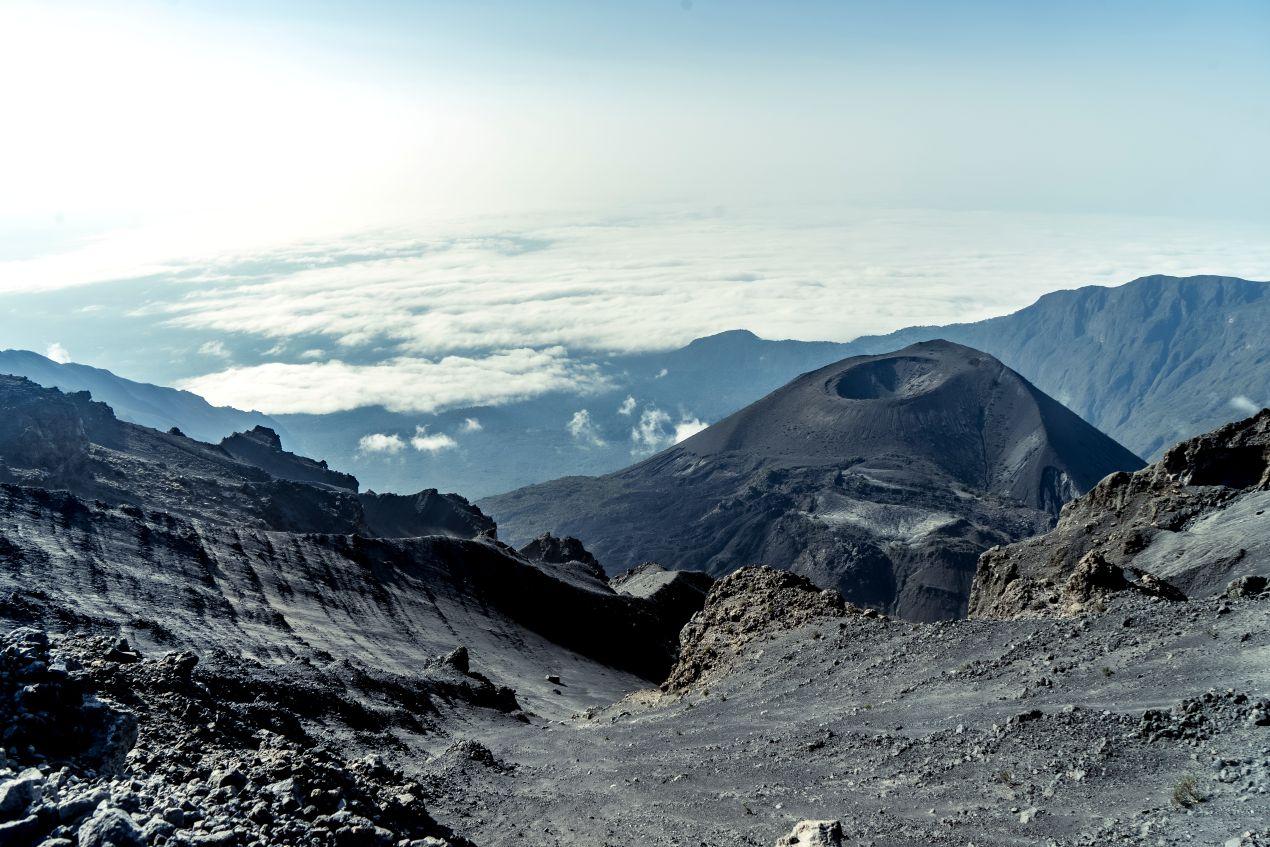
(482, 316)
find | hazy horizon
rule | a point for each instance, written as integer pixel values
(435, 201)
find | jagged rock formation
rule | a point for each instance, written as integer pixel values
(882, 476)
(55, 440)
(1195, 519)
(680, 594)
(261, 446)
(427, 513)
(748, 604)
(546, 549)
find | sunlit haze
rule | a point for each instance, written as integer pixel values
(259, 195)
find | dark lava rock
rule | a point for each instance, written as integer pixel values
(261, 446)
(46, 706)
(427, 513)
(207, 766)
(550, 550)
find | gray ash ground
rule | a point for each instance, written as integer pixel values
(1146, 724)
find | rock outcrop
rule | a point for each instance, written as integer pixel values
(547, 549)
(1186, 525)
(813, 834)
(53, 440)
(427, 513)
(261, 446)
(746, 605)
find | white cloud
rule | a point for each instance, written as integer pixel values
(583, 429)
(399, 385)
(57, 353)
(688, 427)
(315, 353)
(471, 425)
(431, 443)
(378, 442)
(1244, 405)
(659, 282)
(661, 373)
(627, 407)
(649, 435)
(428, 313)
(657, 431)
(214, 348)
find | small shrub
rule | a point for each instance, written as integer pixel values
(1107, 672)
(1186, 793)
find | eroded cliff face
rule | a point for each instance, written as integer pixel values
(1195, 519)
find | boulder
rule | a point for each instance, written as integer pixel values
(813, 834)
(1245, 586)
(20, 793)
(110, 827)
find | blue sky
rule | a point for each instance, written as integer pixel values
(195, 191)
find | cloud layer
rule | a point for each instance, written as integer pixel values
(459, 314)
(399, 384)
(657, 430)
(659, 282)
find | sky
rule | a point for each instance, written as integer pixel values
(297, 206)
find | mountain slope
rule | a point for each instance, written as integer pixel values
(884, 476)
(69, 441)
(1152, 362)
(178, 542)
(139, 402)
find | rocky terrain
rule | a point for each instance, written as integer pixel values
(1196, 519)
(1145, 724)
(184, 676)
(882, 476)
(113, 749)
(69, 441)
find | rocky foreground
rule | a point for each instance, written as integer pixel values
(174, 677)
(1146, 724)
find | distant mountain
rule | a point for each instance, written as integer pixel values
(883, 476)
(1149, 363)
(138, 402)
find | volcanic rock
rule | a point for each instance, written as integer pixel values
(743, 606)
(1194, 520)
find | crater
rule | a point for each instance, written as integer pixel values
(899, 376)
